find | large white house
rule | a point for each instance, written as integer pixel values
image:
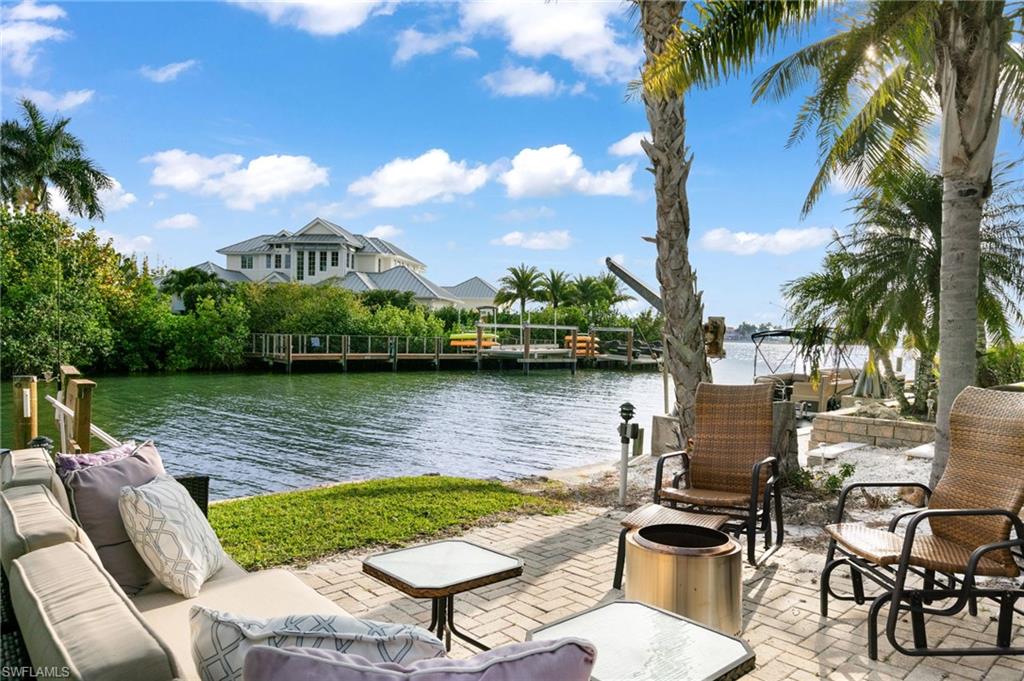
(324, 253)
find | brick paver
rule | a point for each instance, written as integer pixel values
(569, 561)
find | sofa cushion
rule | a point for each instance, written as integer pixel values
(73, 615)
(171, 534)
(94, 493)
(270, 593)
(32, 467)
(221, 640)
(30, 519)
(566, 659)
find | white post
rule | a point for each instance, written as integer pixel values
(623, 468)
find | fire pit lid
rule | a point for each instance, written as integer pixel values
(685, 540)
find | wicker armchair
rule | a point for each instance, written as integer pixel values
(728, 468)
(971, 512)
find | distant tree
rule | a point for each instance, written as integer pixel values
(36, 154)
(378, 298)
(613, 292)
(555, 289)
(523, 284)
(176, 281)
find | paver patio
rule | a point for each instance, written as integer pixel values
(569, 562)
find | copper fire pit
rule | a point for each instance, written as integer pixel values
(690, 570)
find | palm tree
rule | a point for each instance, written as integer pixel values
(613, 293)
(176, 281)
(555, 289)
(670, 161)
(873, 95)
(36, 154)
(522, 283)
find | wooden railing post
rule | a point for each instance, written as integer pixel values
(629, 349)
(79, 392)
(526, 349)
(26, 410)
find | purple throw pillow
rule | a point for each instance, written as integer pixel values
(73, 462)
(94, 492)
(566, 659)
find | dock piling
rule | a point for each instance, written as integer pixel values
(26, 410)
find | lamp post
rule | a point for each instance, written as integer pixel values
(626, 411)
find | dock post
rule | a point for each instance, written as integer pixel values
(26, 410)
(629, 349)
(79, 392)
(345, 342)
(437, 352)
(526, 348)
(288, 357)
(573, 338)
(479, 346)
(393, 342)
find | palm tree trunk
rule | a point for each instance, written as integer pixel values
(970, 40)
(684, 310)
(924, 370)
(894, 384)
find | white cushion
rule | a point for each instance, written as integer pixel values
(220, 641)
(171, 534)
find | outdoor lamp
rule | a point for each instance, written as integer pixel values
(626, 411)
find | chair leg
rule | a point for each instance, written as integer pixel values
(858, 585)
(876, 605)
(929, 585)
(826, 575)
(917, 623)
(1004, 634)
(751, 540)
(779, 526)
(620, 559)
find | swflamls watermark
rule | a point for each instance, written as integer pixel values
(35, 672)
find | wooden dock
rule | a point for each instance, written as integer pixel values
(287, 349)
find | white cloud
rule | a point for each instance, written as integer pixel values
(779, 242)
(527, 214)
(115, 198)
(465, 52)
(385, 232)
(630, 145)
(552, 170)
(169, 72)
(319, 17)
(426, 216)
(579, 32)
(410, 181)
(241, 187)
(24, 30)
(179, 221)
(413, 43)
(555, 240)
(520, 81)
(126, 244)
(49, 101)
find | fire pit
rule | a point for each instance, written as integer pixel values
(690, 570)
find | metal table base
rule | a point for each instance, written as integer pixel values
(442, 623)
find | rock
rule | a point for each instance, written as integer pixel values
(877, 410)
(913, 496)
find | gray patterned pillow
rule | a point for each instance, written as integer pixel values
(220, 641)
(171, 534)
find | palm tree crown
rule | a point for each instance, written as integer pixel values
(36, 154)
(555, 287)
(522, 283)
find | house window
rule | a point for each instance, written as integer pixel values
(246, 262)
(323, 260)
(277, 261)
(299, 274)
(378, 264)
(287, 261)
(334, 258)
(267, 265)
(312, 263)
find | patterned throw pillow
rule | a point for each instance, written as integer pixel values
(221, 640)
(73, 462)
(171, 534)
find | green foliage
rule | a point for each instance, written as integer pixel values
(297, 527)
(834, 481)
(1001, 365)
(214, 336)
(36, 154)
(378, 298)
(828, 482)
(522, 284)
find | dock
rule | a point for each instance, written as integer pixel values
(287, 349)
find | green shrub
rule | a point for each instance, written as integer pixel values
(1001, 365)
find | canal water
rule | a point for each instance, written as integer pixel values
(263, 432)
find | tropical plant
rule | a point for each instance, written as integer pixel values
(555, 289)
(613, 292)
(36, 155)
(873, 95)
(523, 284)
(670, 161)
(176, 281)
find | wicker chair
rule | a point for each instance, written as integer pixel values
(971, 512)
(729, 468)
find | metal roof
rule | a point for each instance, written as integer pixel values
(372, 244)
(257, 244)
(353, 281)
(474, 287)
(399, 278)
(221, 273)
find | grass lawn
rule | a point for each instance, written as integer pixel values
(297, 527)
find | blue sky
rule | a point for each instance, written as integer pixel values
(474, 136)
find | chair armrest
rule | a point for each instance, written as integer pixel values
(198, 487)
(755, 479)
(867, 485)
(660, 468)
(896, 519)
(972, 563)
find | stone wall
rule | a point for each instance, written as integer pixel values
(842, 426)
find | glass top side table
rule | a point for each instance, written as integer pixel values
(440, 570)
